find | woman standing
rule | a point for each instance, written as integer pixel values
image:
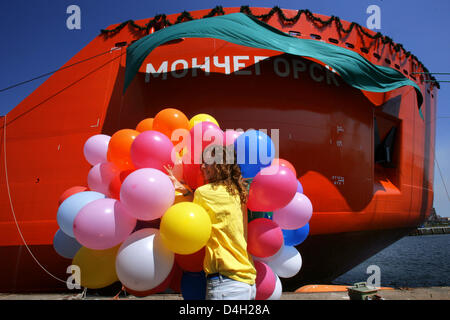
(228, 266)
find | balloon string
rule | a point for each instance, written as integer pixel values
(116, 297)
(12, 208)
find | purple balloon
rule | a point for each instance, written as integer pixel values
(299, 187)
(103, 224)
(147, 193)
(152, 149)
(95, 148)
(296, 214)
(272, 189)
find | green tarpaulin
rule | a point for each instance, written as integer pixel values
(244, 30)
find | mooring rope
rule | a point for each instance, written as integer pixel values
(13, 212)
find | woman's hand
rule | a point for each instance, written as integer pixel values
(177, 184)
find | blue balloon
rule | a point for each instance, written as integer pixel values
(70, 207)
(255, 150)
(64, 245)
(193, 285)
(299, 187)
(295, 237)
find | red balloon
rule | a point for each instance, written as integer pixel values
(193, 175)
(264, 238)
(272, 189)
(265, 281)
(71, 191)
(175, 284)
(191, 262)
(286, 164)
(160, 288)
(116, 183)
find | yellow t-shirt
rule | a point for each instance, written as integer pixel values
(226, 250)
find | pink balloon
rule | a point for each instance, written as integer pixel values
(264, 238)
(230, 136)
(265, 281)
(202, 135)
(204, 125)
(147, 193)
(272, 189)
(101, 175)
(103, 224)
(95, 148)
(296, 214)
(151, 149)
(284, 163)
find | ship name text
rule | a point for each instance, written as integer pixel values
(241, 66)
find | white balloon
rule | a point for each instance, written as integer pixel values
(96, 148)
(276, 295)
(286, 263)
(143, 262)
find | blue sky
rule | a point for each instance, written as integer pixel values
(35, 40)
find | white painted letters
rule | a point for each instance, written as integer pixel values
(238, 65)
(205, 66)
(282, 67)
(151, 70)
(183, 72)
(225, 65)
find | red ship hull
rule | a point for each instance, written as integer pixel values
(328, 131)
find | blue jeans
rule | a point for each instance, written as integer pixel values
(224, 288)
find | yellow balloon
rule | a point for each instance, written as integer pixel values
(201, 117)
(97, 267)
(185, 228)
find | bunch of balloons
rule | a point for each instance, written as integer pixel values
(130, 224)
(276, 196)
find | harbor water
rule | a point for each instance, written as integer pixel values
(413, 261)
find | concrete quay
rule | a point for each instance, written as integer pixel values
(429, 293)
(430, 231)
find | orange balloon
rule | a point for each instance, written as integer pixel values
(168, 120)
(119, 148)
(179, 197)
(144, 125)
(284, 163)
